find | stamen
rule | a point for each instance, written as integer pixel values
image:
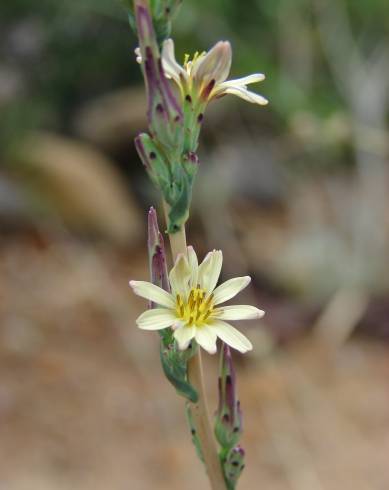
(196, 309)
(207, 314)
(210, 298)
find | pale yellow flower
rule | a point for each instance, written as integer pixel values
(192, 308)
(206, 74)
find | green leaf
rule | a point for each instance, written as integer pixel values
(174, 364)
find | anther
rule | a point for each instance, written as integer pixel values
(207, 314)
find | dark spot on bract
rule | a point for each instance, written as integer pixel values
(159, 108)
(152, 155)
(188, 98)
(200, 118)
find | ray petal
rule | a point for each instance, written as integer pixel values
(184, 335)
(153, 293)
(231, 336)
(179, 276)
(194, 266)
(245, 94)
(206, 338)
(215, 65)
(156, 319)
(242, 82)
(238, 312)
(230, 288)
(209, 270)
(170, 66)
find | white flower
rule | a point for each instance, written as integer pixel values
(192, 308)
(206, 74)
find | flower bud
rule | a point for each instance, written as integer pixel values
(234, 464)
(157, 266)
(164, 113)
(228, 426)
(157, 256)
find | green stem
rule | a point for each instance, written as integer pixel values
(199, 410)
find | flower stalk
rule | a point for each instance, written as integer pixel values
(201, 428)
(186, 304)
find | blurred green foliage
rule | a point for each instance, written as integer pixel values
(63, 53)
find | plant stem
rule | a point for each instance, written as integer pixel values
(199, 410)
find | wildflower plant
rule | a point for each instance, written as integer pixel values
(186, 305)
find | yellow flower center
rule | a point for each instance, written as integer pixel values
(197, 309)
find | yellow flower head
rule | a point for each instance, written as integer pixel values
(192, 308)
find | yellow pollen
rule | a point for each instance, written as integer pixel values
(197, 309)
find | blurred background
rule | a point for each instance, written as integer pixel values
(296, 195)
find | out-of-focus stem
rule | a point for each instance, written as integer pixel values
(200, 415)
(199, 410)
